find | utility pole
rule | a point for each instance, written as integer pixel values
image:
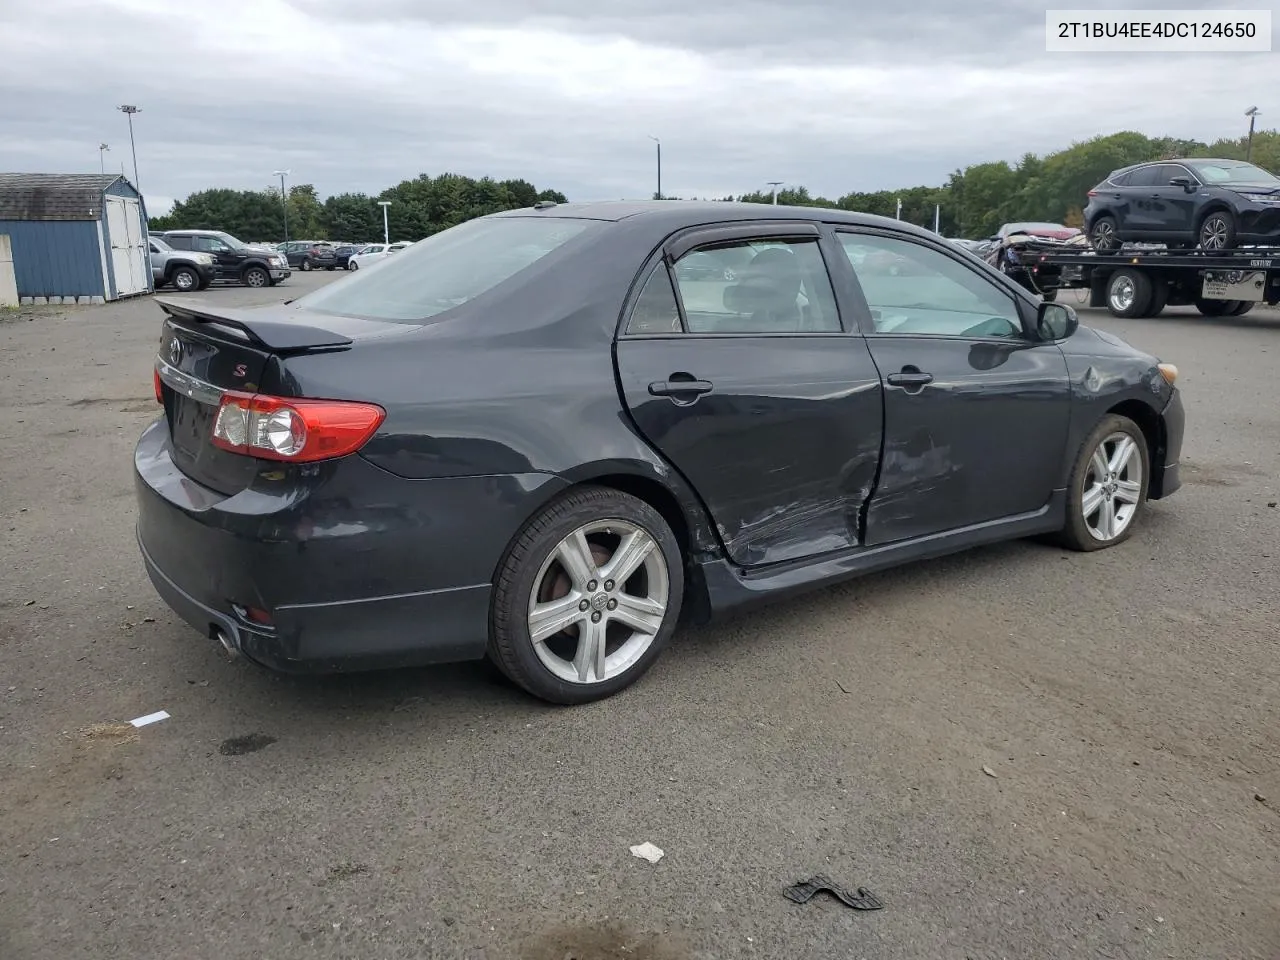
(284, 202)
(659, 144)
(102, 158)
(899, 213)
(129, 110)
(386, 231)
(937, 217)
(775, 184)
(1252, 114)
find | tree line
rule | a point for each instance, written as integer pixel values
(973, 202)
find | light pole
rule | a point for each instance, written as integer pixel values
(386, 232)
(659, 143)
(1252, 114)
(129, 110)
(898, 215)
(775, 184)
(284, 201)
(102, 158)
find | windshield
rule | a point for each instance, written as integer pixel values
(1232, 171)
(445, 270)
(161, 244)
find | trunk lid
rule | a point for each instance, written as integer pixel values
(206, 351)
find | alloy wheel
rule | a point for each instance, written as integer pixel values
(1112, 487)
(1213, 233)
(598, 601)
(1104, 235)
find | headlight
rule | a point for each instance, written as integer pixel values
(204, 258)
(1262, 197)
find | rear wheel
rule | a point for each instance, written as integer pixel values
(1128, 293)
(1108, 489)
(306, 264)
(1217, 308)
(1218, 231)
(256, 277)
(1242, 307)
(1159, 298)
(185, 280)
(1102, 235)
(587, 597)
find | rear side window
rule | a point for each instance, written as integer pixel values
(179, 243)
(447, 269)
(1143, 177)
(763, 286)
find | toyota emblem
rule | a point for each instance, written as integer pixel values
(175, 351)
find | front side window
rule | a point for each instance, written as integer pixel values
(180, 243)
(912, 289)
(448, 268)
(761, 286)
(209, 244)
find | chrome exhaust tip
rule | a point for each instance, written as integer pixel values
(229, 646)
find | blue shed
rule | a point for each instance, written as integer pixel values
(75, 235)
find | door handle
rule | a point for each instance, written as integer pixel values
(680, 385)
(910, 377)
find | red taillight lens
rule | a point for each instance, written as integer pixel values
(158, 384)
(1093, 193)
(296, 430)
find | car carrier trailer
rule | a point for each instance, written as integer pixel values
(1141, 283)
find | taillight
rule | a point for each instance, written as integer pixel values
(1093, 193)
(158, 384)
(296, 430)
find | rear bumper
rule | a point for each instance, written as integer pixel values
(356, 568)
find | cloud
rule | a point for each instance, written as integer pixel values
(566, 93)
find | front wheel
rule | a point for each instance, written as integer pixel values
(1218, 231)
(306, 265)
(353, 265)
(256, 277)
(185, 279)
(587, 597)
(1107, 492)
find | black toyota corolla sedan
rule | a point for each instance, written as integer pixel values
(539, 437)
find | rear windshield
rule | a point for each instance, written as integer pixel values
(445, 270)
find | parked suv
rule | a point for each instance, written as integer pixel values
(184, 270)
(1215, 204)
(233, 259)
(310, 255)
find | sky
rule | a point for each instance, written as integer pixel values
(357, 95)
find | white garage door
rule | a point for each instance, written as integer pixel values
(128, 246)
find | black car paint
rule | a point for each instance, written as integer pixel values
(387, 556)
(1167, 212)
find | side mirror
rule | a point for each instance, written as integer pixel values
(1056, 321)
(1183, 182)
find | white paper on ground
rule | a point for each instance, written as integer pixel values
(647, 851)
(150, 718)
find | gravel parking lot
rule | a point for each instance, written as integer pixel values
(1126, 702)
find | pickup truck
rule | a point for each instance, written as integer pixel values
(184, 270)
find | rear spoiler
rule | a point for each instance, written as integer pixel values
(274, 335)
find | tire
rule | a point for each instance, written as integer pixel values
(185, 280)
(1159, 298)
(306, 265)
(1128, 293)
(256, 277)
(1217, 308)
(1103, 234)
(1244, 306)
(353, 266)
(1217, 231)
(532, 569)
(1126, 499)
